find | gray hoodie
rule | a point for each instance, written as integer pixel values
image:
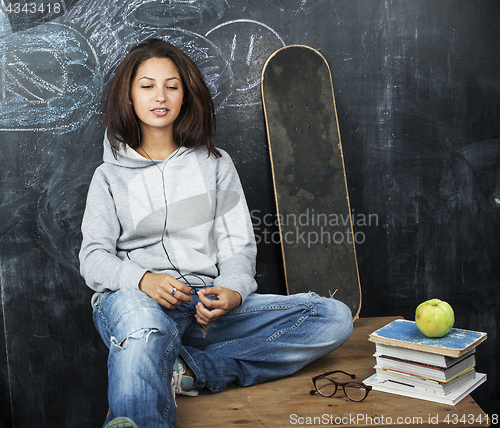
(185, 214)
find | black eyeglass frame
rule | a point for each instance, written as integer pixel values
(367, 388)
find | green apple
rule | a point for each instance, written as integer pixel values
(434, 318)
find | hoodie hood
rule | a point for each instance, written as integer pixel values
(129, 158)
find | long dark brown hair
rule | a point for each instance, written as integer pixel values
(195, 124)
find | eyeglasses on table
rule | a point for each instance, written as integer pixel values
(326, 386)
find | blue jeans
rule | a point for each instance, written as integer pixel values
(268, 337)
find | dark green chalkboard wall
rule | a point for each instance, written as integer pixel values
(417, 86)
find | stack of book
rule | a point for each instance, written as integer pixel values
(434, 369)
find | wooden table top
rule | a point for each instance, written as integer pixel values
(287, 402)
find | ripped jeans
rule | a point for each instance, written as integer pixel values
(267, 337)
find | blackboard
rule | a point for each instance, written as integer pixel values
(417, 86)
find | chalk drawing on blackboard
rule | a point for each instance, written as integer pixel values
(174, 13)
(58, 216)
(247, 44)
(302, 5)
(5, 27)
(484, 159)
(49, 79)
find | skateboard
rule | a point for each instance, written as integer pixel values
(312, 200)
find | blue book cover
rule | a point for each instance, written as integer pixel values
(405, 334)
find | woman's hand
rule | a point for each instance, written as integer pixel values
(208, 311)
(160, 287)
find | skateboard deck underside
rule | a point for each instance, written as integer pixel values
(309, 177)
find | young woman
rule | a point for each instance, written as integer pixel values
(168, 247)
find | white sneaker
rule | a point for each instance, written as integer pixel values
(182, 384)
(121, 422)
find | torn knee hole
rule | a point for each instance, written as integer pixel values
(145, 332)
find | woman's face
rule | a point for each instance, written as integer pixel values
(157, 94)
